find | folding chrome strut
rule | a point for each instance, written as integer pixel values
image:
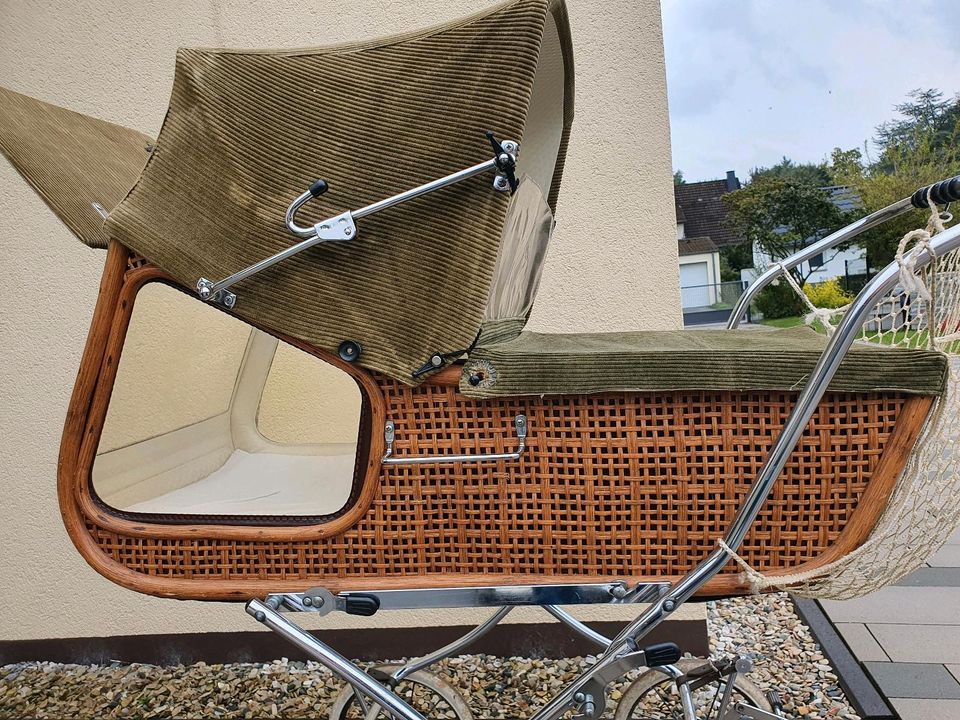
(343, 228)
(318, 600)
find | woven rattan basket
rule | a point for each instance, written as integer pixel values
(631, 486)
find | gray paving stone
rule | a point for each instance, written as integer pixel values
(918, 643)
(861, 642)
(896, 604)
(948, 556)
(955, 671)
(932, 577)
(914, 680)
(926, 709)
(955, 538)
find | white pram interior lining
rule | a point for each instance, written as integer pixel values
(255, 428)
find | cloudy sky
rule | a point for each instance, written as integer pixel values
(753, 80)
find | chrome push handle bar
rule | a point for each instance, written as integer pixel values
(342, 227)
(943, 192)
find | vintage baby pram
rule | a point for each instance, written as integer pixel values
(486, 466)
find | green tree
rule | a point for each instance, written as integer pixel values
(927, 124)
(816, 174)
(915, 149)
(678, 178)
(781, 215)
(733, 259)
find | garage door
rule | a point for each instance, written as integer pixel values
(694, 291)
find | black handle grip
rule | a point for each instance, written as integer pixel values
(941, 193)
(773, 697)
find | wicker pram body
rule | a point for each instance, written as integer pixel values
(613, 486)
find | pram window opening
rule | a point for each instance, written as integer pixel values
(209, 416)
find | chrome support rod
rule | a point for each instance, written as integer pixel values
(577, 626)
(838, 345)
(332, 660)
(342, 227)
(830, 241)
(456, 646)
(686, 697)
(429, 187)
(311, 232)
(321, 601)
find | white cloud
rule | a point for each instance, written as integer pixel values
(751, 81)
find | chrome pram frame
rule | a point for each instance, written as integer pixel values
(586, 694)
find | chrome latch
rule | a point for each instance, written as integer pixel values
(389, 435)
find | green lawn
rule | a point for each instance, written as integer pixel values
(783, 322)
(900, 338)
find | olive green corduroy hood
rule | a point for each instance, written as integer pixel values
(248, 131)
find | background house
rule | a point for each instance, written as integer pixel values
(701, 235)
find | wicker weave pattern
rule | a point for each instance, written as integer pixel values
(629, 485)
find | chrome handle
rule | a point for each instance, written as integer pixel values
(389, 433)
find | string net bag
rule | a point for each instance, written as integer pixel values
(922, 311)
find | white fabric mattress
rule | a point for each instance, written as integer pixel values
(263, 484)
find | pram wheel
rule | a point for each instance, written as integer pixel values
(654, 696)
(430, 695)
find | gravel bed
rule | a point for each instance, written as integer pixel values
(767, 628)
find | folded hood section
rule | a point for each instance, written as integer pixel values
(71, 160)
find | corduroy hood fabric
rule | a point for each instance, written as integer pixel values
(246, 132)
(538, 364)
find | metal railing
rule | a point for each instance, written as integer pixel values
(830, 241)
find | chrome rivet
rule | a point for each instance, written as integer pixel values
(669, 605)
(308, 601)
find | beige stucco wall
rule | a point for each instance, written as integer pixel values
(612, 265)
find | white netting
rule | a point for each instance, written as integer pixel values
(923, 311)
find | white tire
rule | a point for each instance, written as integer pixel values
(440, 700)
(654, 695)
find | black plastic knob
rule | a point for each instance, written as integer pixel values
(365, 605)
(349, 351)
(319, 188)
